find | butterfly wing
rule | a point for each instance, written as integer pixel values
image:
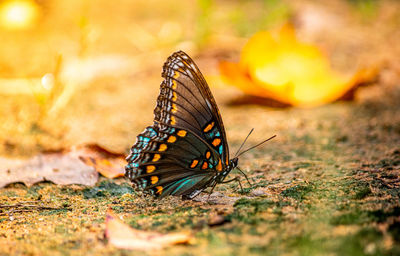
(185, 149)
(172, 161)
(186, 101)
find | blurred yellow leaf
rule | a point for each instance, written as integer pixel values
(284, 69)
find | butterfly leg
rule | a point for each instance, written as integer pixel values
(212, 189)
(244, 175)
(235, 179)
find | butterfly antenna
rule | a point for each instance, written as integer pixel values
(244, 175)
(244, 151)
(243, 142)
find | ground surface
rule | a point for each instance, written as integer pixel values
(329, 184)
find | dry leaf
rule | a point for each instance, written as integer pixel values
(79, 165)
(107, 163)
(56, 167)
(284, 69)
(216, 220)
(122, 236)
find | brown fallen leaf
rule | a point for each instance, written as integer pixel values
(107, 163)
(57, 167)
(216, 220)
(77, 165)
(123, 236)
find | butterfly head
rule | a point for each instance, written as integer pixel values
(233, 163)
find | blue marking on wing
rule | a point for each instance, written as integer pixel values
(133, 156)
(185, 184)
(142, 142)
(135, 165)
(152, 132)
(168, 130)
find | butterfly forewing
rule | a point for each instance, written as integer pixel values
(186, 101)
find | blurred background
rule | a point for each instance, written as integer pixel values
(75, 72)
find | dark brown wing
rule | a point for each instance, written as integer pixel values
(186, 101)
(172, 162)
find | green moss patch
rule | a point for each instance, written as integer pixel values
(298, 192)
(107, 188)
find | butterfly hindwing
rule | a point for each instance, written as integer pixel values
(171, 162)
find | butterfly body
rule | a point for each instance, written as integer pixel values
(185, 150)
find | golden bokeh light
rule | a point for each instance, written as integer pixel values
(20, 14)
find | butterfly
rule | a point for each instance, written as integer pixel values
(185, 150)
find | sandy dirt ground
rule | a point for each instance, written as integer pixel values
(328, 184)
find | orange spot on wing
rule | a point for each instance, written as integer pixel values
(208, 154)
(219, 166)
(150, 168)
(204, 166)
(182, 133)
(174, 84)
(171, 139)
(156, 157)
(209, 127)
(173, 120)
(174, 97)
(162, 147)
(194, 163)
(154, 179)
(216, 142)
(159, 190)
(176, 74)
(174, 108)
